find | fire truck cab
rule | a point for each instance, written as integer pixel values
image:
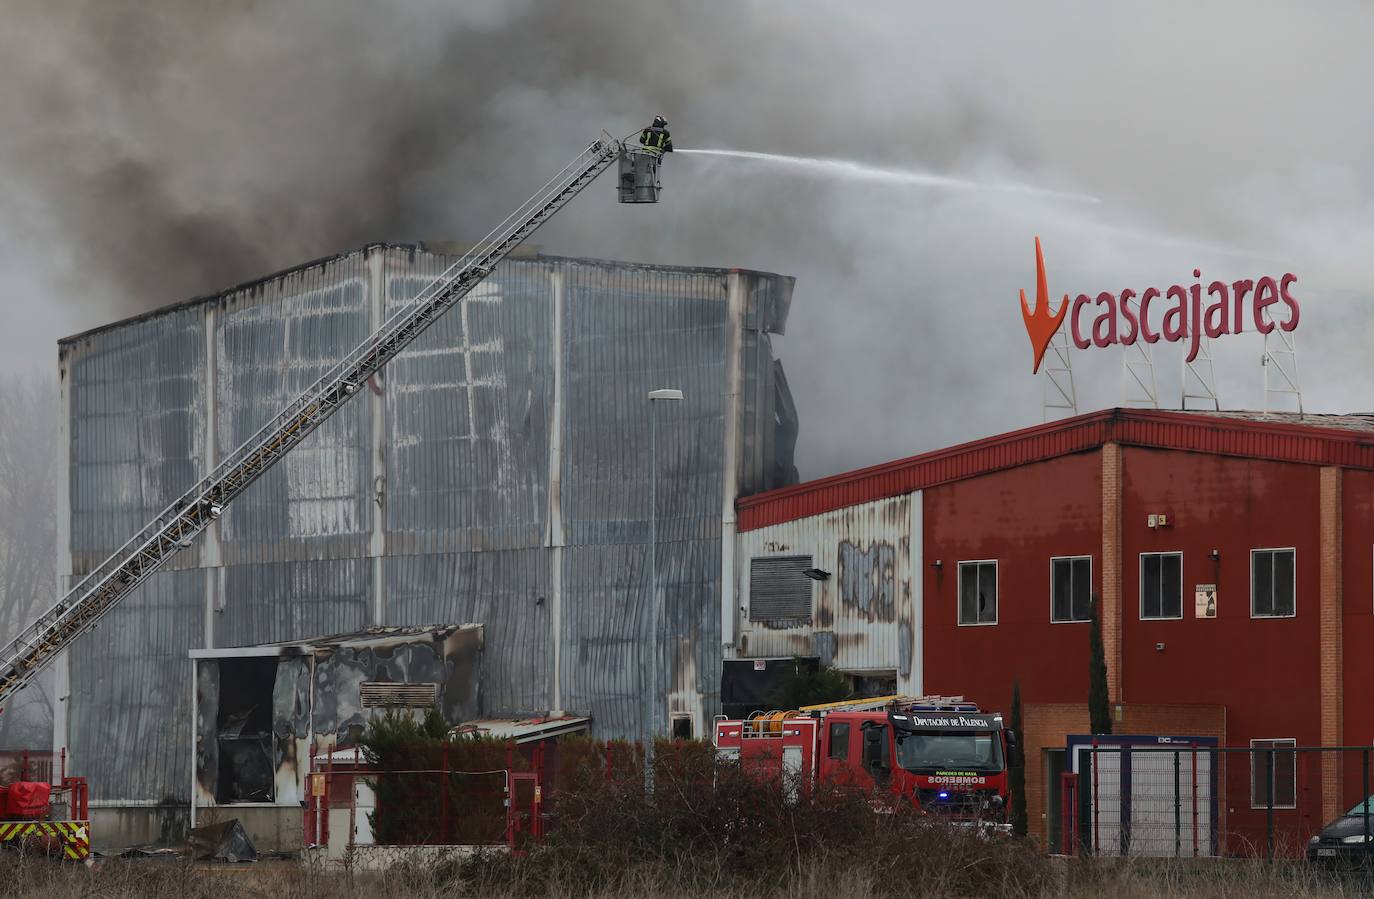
(941, 753)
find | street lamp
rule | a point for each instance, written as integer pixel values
(651, 719)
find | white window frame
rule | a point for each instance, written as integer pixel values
(1274, 549)
(1290, 744)
(1140, 586)
(1077, 558)
(959, 586)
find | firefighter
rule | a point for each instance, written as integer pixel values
(656, 138)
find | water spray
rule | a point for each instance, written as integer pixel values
(859, 171)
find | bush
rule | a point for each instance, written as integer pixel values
(430, 789)
(711, 826)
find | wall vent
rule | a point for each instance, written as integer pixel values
(390, 694)
(778, 591)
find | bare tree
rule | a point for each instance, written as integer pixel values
(28, 538)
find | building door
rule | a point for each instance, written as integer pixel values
(1054, 812)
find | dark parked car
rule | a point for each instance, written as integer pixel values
(1348, 840)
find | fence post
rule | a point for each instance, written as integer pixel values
(445, 783)
(1364, 781)
(1178, 806)
(1095, 808)
(1123, 798)
(353, 804)
(328, 788)
(1269, 805)
(1194, 754)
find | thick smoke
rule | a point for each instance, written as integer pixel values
(153, 152)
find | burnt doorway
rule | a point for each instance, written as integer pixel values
(244, 730)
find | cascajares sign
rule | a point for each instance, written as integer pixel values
(1172, 314)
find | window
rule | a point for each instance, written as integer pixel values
(839, 741)
(1071, 588)
(1272, 583)
(1273, 773)
(1161, 585)
(978, 592)
(778, 591)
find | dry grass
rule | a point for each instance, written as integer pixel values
(44, 879)
(708, 831)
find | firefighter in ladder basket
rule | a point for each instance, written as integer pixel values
(656, 138)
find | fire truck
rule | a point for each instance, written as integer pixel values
(946, 756)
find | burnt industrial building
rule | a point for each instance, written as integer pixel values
(496, 474)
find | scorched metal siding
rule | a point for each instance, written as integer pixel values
(273, 341)
(506, 591)
(467, 413)
(864, 615)
(137, 429)
(430, 498)
(130, 692)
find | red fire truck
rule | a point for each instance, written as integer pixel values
(943, 754)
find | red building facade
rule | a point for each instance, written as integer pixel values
(1232, 556)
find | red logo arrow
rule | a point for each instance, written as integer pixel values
(1041, 324)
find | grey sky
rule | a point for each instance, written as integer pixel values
(154, 152)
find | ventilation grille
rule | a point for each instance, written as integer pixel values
(778, 591)
(389, 694)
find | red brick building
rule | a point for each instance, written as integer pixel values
(1233, 555)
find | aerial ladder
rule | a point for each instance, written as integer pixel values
(181, 522)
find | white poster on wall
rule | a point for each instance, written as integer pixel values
(1205, 597)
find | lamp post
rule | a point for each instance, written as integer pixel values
(651, 726)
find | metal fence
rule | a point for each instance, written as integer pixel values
(430, 798)
(1271, 800)
(45, 767)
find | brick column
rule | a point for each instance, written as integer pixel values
(1111, 598)
(1332, 707)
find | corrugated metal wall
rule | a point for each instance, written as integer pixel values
(505, 590)
(137, 428)
(130, 694)
(864, 616)
(271, 342)
(268, 603)
(429, 500)
(467, 414)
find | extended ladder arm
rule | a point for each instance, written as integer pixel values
(192, 513)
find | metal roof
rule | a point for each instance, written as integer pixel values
(1342, 440)
(525, 730)
(368, 637)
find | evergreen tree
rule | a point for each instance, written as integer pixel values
(801, 686)
(1099, 707)
(1017, 764)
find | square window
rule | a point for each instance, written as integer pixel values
(1071, 585)
(839, 741)
(1273, 773)
(1161, 585)
(1272, 584)
(978, 592)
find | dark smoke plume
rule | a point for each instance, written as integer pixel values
(152, 152)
